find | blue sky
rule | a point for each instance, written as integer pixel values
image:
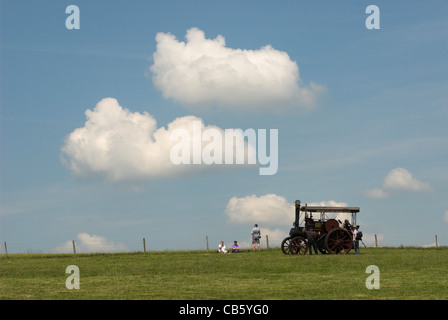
(376, 136)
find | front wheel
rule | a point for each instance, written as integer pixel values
(286, 245)
(298, 246)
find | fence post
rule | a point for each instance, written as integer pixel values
(206, 240)
(267, 242)
(74, 249)
(376, 242)
(6, 250)
(144, 245)
(437, 245)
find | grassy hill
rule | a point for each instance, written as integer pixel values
(405, 273)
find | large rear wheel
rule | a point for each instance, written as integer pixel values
(339, 241)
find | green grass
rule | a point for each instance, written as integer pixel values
(405, 273)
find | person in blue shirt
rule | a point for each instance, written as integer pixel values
(235, 247)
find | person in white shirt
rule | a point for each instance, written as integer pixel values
(355, 239)
(222, 247)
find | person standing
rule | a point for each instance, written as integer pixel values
(256, 235)
(311, 237)
(355, 239)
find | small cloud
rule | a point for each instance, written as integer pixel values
(375, 193)
(445, 216)
(91, 243)
(340, 216)
(398, 180)
(402, 180)
(202, 72)
(330, 203)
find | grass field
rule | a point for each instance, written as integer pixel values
(405, 273)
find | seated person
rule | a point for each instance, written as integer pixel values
(235, 247)
(222, 247)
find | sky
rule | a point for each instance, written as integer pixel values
(346, 106)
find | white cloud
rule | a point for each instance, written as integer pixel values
(339, 216)
(445, 216)
(91, 243)
(203, 72)
(401, 179)
(398, 180)
(376, 193)
(268, 210)
(330, 203)
(119, 145)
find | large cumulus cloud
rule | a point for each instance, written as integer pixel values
(202, 72)
(117, 144)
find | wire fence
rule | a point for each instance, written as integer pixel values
(210, 243)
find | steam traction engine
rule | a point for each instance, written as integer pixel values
(332, 236)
